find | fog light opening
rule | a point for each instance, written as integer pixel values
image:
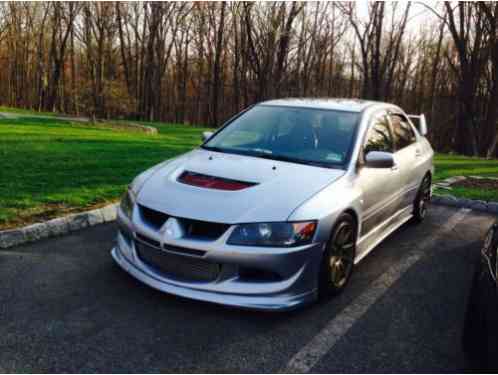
(258, 275)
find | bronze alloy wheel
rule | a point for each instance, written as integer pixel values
(338, 260)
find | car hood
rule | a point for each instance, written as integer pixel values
(280, 188)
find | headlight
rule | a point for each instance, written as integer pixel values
(273, 234)
(127, 202)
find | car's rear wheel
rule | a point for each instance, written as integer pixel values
(422, 200)
(338, 259)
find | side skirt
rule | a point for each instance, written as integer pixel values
(369, 241)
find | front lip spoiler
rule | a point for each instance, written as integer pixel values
(284, 302)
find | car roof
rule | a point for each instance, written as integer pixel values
(350, 105)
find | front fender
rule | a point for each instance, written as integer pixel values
(326, 206)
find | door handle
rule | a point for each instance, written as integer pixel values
(418, 153)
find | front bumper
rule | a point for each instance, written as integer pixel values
(298, 268)
(281, 302)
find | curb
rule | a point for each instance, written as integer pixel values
(451, 201)
(130, 127)
(58, 226)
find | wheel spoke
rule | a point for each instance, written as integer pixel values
(348, 246)
(342, 258)
(338, 273)
(341, 237)
(339, 270)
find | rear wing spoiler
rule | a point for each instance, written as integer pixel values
(420, 123)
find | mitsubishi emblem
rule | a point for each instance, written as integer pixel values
(172, 229)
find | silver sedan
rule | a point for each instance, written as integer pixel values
(277, 206)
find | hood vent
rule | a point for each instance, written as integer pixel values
(211, 182)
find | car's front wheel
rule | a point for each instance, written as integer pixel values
(338, 259)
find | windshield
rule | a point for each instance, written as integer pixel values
(300, 135)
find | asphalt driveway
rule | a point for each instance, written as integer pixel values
(65, 307)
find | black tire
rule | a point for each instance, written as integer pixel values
(422, 200)
(474, 329)
(480, 335)
(338, 259)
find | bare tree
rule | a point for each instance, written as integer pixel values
(466, 24)
(62, 19)
(268, 44)
(202, 62)
(217, 64)
(379, 45)
(490, 9)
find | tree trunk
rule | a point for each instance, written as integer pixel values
(217, 66)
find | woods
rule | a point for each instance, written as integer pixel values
(199, 63)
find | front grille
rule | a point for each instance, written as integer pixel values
(148, 240)
(184, 250)
(204, 229)
(193, 228)
(178, 266)
(152, 217)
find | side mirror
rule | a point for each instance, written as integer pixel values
(206, 136)
(379, 159)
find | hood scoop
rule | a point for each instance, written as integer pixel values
(212, 182)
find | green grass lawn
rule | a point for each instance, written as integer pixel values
(52, 167)
(456, 165)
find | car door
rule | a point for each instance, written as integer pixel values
(379, 185)
(408, 156)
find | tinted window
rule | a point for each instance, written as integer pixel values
(302, 135)
(379, 136)
(403, 132)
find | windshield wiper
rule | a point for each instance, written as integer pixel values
(294, 160)
(211, 148)
(267, 154)
(236, 151)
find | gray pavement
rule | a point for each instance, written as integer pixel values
(65, 307)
